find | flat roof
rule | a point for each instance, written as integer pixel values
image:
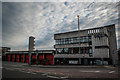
(26, 52)
(85, 29)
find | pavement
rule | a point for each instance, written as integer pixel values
(70, 66)
(63, 72)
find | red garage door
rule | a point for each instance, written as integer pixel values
(40, 58)
(33, 56)
(22, 58)
(17, 58)
(8, 57)
(27, 58)
(33, 59)
(49, 58)
(13, 57)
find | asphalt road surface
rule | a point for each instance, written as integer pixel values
(23, 70)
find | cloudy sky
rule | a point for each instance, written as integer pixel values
(43, 19)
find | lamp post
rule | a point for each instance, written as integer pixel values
(78, 21)
(37, 57)
(78, 37)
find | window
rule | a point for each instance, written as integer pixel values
(60, 50)
(67, 40)
(74, 40)
(90, 50)
(86, 39)
(70, 50)
(56, 42)
(63, 41)
(71, 40)
(89, 38)
(75, 50)
(101, 47)
(88, 31)
(77, 39)
(66, 50)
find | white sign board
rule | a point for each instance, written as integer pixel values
(73, 62)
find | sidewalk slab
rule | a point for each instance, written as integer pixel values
(68, 66)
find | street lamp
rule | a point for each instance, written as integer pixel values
(78, 36)
(78, 21)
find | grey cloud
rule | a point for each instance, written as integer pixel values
(43, 20)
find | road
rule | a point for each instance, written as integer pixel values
(23, 70)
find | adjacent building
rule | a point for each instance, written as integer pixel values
(3, 51)
(89, 46)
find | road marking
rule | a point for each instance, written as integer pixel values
(15, 65)
(89, 71)
(52, 76)
(55, 73)
(21, 71)
(97, 71)
(61, 73)
(9, 69)
(17, 68)
(33, 73)
(44, 74)
(51, 70)
(4, 64)
(111, 71)
(64, 77)
(36, 71)
(28, 72)
(64, 71)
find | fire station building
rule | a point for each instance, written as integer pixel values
(96, 46)
(89, 46)
(36, 57)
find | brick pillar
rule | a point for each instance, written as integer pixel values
(24, 58)
(53, 59)
(19, 58)
(14, 57)
(30, 54)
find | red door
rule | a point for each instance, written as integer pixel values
(40, 58)
(49, 58)
(8, 57)
(33, 58)
(13, 57)
(27, 58)
(22, 58)
(17, 58)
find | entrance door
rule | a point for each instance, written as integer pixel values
(85, 61)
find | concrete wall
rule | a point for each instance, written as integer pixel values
(108, 41)
(71, 34)
(101, 53)
(72, 56)
(113, 44)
